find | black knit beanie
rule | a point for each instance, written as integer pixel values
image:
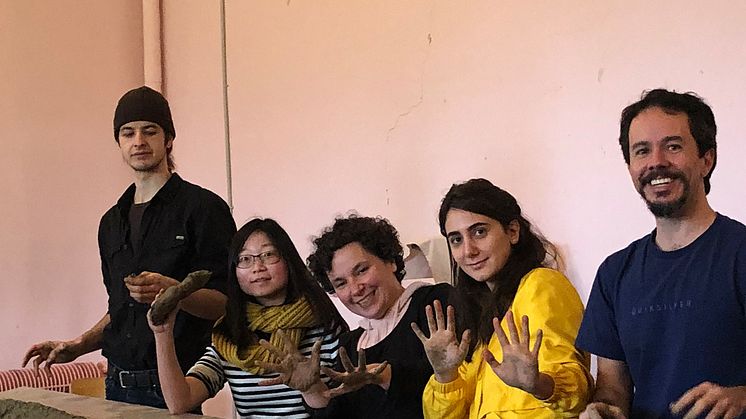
(143, 104)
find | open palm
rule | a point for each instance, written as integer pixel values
(443, 349)
(520, 365)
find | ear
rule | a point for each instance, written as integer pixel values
(513, 230)
(709, 161)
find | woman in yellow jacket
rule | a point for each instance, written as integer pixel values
(524, 316)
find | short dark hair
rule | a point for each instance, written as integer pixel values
(531, 251)
(376, 235)
(701, 120)
(300, 283)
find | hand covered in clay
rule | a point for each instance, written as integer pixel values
(601, 410)
(172, 295)
(167, 325)
(50, 352)
(354, 377)
(520, 365)
(443, 349)
(144, 287)
(296, 371)
(711, 399)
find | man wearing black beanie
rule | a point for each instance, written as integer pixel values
(161, 229)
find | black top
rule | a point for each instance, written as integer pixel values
(410, 369)
(184, 228)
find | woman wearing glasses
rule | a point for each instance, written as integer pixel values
(271, 297)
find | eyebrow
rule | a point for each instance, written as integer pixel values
(354, 268)
(471, 227)
(146, 126)
(664, 140)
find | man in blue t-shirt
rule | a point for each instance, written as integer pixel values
(666, 316)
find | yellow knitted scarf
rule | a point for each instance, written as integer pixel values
(292, 318)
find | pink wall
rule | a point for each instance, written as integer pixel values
(379, 106)
(62, 67)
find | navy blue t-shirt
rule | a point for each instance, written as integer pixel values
(676, 318)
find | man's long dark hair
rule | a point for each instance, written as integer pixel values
(235, 325)
(477, 304)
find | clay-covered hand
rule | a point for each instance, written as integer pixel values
(354, 377)
(144, 287)
(520, 365)
(713, 400)
(166, 324)
(296, 371)
(443, 349)
(167, 302)
(600, 410)
(51, 352)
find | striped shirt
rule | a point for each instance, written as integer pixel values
(254, 401)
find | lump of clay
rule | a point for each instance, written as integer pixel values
(168, 300)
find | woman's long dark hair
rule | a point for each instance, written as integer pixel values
(235, 325)
(477, 303)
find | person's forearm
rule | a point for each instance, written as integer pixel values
(176, 391)
(613, 397)
(91, 340)
(205, 303)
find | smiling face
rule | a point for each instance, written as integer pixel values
(267, 283)
(480, 245)
(665, 164)
(364, 283)
(144, 146)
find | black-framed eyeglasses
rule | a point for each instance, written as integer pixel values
(269, 257)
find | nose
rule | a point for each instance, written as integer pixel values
(470, 247)
(258, 266)
(658, 158)
(358, 287)
(139, 138)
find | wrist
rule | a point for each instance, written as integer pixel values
(446, 376)
(543, 388)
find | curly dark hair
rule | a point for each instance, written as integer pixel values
(376, 235)
(480, 304)
(701, 121)
(235, 325)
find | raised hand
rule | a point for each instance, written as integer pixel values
(713, 400)
(50, 352)
(520, 365)
(167, 324)
(443, 349)
(354, 377)
(296, 371)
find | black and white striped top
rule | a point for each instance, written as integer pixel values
(252, 400)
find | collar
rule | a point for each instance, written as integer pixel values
(166, 193)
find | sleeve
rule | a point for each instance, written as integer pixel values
(552, 304)
(210, 371)
(213, 229)
(451, 400)
(598, 332)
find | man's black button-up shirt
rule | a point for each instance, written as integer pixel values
(184, 228)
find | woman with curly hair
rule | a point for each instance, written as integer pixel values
(360, 260)
(502, 274)
(272, 300)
